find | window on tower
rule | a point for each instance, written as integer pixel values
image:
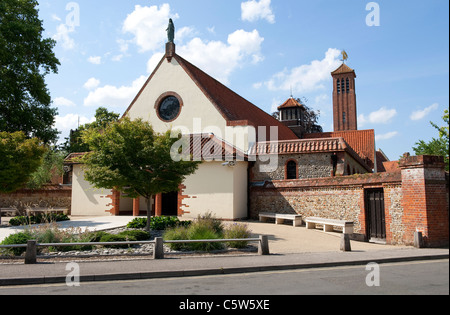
(339, 86)
(348, 86)
(344, 117)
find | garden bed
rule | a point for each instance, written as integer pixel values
(169, 228)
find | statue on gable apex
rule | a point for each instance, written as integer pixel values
(171, 31)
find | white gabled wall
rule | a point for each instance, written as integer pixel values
(85, 199)
(220, 190)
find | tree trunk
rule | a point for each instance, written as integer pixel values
(149, 213)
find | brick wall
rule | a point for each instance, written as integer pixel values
(52, 196)
(425, 199)
(414, 199)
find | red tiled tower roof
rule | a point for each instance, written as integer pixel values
(290, 103)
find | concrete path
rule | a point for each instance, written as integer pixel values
(83, 223)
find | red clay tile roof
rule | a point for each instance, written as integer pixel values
(299, 146)
(72, 158)
(234, 108)
(306, 146)
(204, 147)
(342, 69)
(290, 103)
(362, 141)
(208, 147)
(390, 167)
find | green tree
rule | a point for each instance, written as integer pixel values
(25, 59)
(52, 164)
(19, 158)
(437, 146)
(103, 118)
(130, 157)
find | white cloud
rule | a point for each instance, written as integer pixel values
(420, 114)
(386, 136)
(62, 36)
(153, 61)
(148, 25)
(70, 122)
(112, 96)
(220, 59)
(62, 101)
(306, 78)
(92, 83)
(56, 18)
(96, 60)
(254, 10)
(381, 116)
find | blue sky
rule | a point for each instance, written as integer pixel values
(262, 49)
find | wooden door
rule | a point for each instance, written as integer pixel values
(376, 224)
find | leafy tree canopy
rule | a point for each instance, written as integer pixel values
(19, 158)
(437, 146)
(25, 59)
(103, 118)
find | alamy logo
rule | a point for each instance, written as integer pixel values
(373, 18)
(73, 277)
(373, 277)
(73, 17)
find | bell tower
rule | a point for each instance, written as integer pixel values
(344, 98)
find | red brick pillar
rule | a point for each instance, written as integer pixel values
(136, 207)
(158, 205)
(425, 204)
(115, 203)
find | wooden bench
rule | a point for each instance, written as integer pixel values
(280, 218)
(328, 224)
(8, 212)
(43, 210)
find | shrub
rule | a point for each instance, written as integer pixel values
(137, 223)
(115, 238)
(209, 220)
(177, 234)
(156, 223)
(38, 219)
(163, 223)
(17, 239)
(96, 236)
(204, 228)
(138, 235)
(202, 231)
(234, 231)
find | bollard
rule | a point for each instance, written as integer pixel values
(158, 251)
(418, 239)
(31, 253)
(263, 247)
(345, 243)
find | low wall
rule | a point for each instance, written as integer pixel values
(339, 198)
(415, 199)
(51, 196)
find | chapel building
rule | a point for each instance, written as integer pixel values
(253, 162)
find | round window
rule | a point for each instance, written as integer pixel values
(169, 108)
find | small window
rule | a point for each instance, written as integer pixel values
(291, 170)
(344, 117)
(348, 85)
(339, 86)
